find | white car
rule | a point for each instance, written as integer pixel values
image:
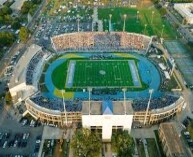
(38, 141)
(24, 122)
(5, 144)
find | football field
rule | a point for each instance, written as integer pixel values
(103, 73)
(147, 21)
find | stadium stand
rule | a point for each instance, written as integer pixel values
(100, 41)
(156, 103)
(56, 103)
(31, 67)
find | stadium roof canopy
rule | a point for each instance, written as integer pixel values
(107, 107)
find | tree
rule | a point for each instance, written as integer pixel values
(15, 24)
(86, 143)
(36, 1)
(6, 38)
(8, 19)
(8, 98)
(163, 11)
(33, 9)
(27, 5)
(122, 144)
(24, 34)
(5, 11)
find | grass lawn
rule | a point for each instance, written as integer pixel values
(57, 149)
(140, 148)
(135, 22)
(190, 129)
(172, 84)
(152, 148)
(60, 7)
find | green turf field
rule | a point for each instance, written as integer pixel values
(96, 73)
(102, 73)
(135, 22)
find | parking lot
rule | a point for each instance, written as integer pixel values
(63, 23)
(18, 139)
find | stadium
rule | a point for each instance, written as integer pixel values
(103, 80)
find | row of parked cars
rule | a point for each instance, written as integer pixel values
(31, 123)
(38, 143)
(18, 140)
(188, 139)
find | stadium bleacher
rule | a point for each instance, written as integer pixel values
(155, 103)
(31, 66)
(100, 41)
(56, 103)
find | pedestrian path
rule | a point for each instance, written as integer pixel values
(145, 147)
(96, 20)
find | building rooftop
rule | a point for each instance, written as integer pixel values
(17, 4)
(19, 71)
(106, 107)
(185, 9)
(173, 139)
(2, 2)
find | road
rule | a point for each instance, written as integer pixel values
(16, 47)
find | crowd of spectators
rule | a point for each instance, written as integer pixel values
(100, 41)
(155, 103)
(56, 103)
(31, 67)
(100, 57)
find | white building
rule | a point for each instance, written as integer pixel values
(18, 88)
(185, 10)
(2, 2)
(107, 115)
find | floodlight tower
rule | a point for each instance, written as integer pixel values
(92, 23)
(145, 29)
(78, 21)
(124, 100)
(137, 15)
(173, 67)
(150, 92)
(110, 16)
(89, 95)
(64, 105)
(124, 18)
(163, 26)
(152, 14)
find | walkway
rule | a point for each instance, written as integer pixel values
(96, 20)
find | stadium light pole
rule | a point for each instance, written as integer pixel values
(64, 105)
(173, 67)
(150, 92)
(110, 16)
(124, 100)
(137, 15)
(152, 13)
(89, 90)
(92, 23)
(163, 26)
(145, 29)
(124, 18)
(78, 20)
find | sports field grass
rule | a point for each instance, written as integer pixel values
(97, 73)
(102, 73)
(135, 22)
